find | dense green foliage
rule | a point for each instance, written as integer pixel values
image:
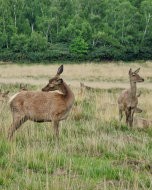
(75, 29)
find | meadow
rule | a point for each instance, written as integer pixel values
(95, 150)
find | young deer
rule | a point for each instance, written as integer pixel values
(42, 106)
(128, 99)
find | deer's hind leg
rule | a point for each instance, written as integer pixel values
(18, 120)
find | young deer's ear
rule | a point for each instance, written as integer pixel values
(137, 70)
(60, 70)
(130, 71)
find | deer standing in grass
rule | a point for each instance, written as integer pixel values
(128, 99)
(3, 96)
(23, 87)
(42, 106)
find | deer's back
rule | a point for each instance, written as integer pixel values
(39, 106)
(125, 99)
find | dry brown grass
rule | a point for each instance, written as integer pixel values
(96, 75)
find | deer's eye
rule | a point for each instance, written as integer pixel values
(51, 85)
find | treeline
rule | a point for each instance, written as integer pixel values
(75, 30)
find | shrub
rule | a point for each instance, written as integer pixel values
(19, 43)
(37, 42)
(79, 46)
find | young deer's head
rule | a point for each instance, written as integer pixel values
(55, 82)
(134, 76)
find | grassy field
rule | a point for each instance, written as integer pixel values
(95, 151)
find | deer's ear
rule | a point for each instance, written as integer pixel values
(137, 70)
(5, 94)
(60, 70)
(130, 71)
(60, 81)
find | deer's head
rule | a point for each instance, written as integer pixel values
(134, 76)
(4, 95)
(82, 85)
(55, 82)
(23, 87)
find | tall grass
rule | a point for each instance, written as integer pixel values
(95, 151)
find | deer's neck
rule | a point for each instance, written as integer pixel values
(67, 93)
(133, 89)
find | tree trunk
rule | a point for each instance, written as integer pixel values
(148, 17)
(14, 15)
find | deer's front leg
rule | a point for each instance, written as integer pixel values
(120, 115)
(56, 128)
(131, 117)
(128, 114)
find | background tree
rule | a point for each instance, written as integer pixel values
(62, 30)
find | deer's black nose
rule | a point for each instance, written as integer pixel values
(44, 89)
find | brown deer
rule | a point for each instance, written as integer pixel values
(84, 88)
(23, 87)
(128, 99)
(4, 96)
(43, 106)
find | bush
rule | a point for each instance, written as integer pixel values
(79, 46)
(19, 43)
(37, 42)
(3, 39)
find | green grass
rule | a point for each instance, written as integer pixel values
(93, 153)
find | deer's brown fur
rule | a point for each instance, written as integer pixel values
(128, 99)
(43, 106)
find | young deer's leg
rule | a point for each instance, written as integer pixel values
(56, 128)
(128, 114)
(120, 114)
(131, 117)
(17, 122)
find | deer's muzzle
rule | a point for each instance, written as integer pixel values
(45, 89)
